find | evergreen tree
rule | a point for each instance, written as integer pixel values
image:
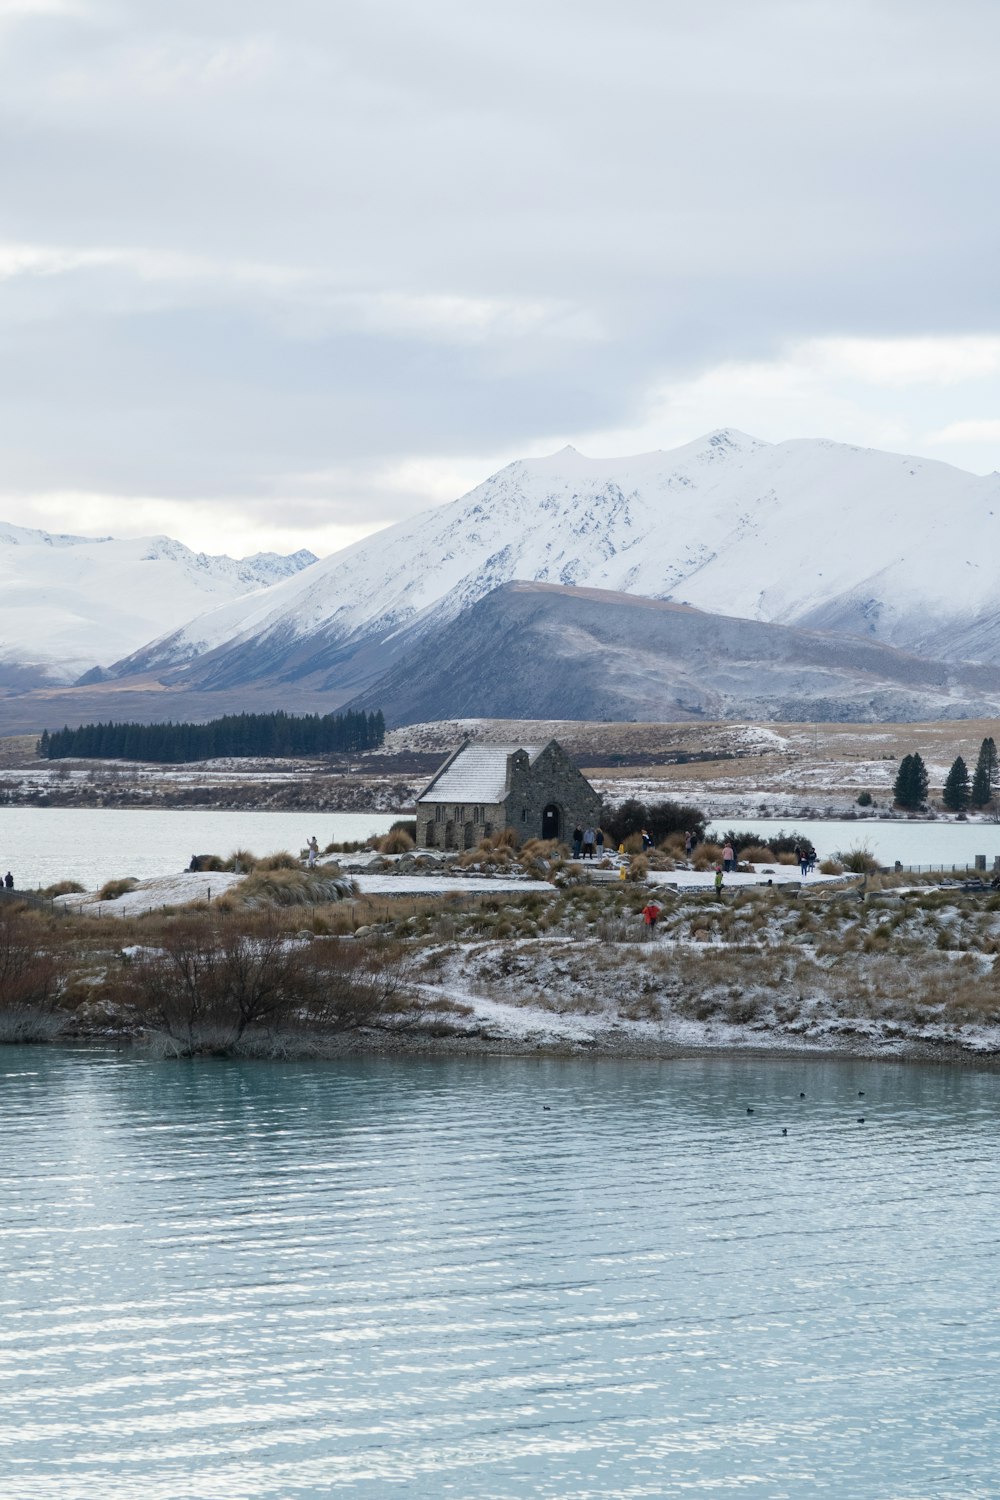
(985, 774)
(955, 795)
(910, 789)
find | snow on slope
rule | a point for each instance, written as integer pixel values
(806, 531)
(69, 603)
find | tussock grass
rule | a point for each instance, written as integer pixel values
(280, 886)
(396, 841)
(112, 889)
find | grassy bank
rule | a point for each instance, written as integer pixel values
(905, 967)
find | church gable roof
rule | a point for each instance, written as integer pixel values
(476, 773)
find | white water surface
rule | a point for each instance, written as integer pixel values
(496, 1279)
(42, 845)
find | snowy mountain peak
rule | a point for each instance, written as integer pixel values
(70, 603)
(804, 532)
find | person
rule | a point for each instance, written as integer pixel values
(588, 843)
(599, 843)
(8, 881)
(647, 842)
(650, 915)
(577, 841)
(728, 857)
(688, 844)
(718, 882)
(312, 851)
(803, 854)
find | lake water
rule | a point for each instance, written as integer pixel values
(913, 843)
(265, 1281)
(42, 845)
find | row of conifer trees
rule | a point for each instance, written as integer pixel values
(274, 734)
(960, 791)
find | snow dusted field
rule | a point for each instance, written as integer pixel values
(647, 998)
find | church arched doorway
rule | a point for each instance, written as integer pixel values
(551, 822)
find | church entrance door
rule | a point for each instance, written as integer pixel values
(551, 822)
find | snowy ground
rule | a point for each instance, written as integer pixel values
(180, 890)
(151, 895)
(763, 875)
(444, 885)
(550, 993)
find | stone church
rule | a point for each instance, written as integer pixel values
(481, 789)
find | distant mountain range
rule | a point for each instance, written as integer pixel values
(70, 604)
(824, 539)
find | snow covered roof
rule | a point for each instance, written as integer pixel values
(476, 773)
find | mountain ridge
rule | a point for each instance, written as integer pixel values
(584, 653)
(70, 604)
(807, 532)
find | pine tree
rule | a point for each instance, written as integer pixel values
(955, 795)
(985, 775)
(910, 789)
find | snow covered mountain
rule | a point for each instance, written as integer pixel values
(807, 532)
(69, 604)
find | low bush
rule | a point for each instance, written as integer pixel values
(280, 861)
(284, 887)
(112, 889)
(756, 854)
(859, 860)
(660, 819)
(62, 888)
(31, 976)
(396, 841)
(233, 987)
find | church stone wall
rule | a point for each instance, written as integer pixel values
(553, 779)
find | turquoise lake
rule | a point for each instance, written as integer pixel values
(496, 1278)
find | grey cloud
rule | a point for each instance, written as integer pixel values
(284, 199)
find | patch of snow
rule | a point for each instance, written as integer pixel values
(449, 884)
(151, 895)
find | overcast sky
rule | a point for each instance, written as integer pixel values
(276, 272)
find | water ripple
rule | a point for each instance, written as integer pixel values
(270, 1281)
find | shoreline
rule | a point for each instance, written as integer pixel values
(421, 1044)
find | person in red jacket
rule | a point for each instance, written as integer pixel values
(650, 915)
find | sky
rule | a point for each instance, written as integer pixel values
(276, 273)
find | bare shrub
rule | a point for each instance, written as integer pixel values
(30, 979)
(242, 986)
